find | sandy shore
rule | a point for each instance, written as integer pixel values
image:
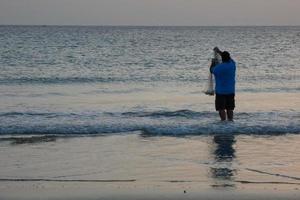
(133, 166)
(144, 190)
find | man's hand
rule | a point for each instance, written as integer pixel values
(217, 50)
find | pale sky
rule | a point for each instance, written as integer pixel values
(150, 12)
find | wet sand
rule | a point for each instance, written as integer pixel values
(137, 166)
(143, 190)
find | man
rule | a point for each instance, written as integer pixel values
(225, 85)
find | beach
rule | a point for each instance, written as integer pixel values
(137, 166)
(117, 112)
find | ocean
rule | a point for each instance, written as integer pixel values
(90, 112)
(81, 80)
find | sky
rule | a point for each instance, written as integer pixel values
(150, 12)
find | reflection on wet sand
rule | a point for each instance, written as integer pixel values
(224, 153)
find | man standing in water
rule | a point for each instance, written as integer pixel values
(225, 85)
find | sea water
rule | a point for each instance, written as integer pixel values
(111, 103)
(104, 80)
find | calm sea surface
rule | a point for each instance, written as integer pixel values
(101, 80)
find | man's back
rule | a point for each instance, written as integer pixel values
(225, 77)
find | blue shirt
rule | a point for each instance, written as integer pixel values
(225, 77)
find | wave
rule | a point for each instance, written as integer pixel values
(185, 113)
(58, 80)
(179, 113)
(175, 130)
(35, 114)
(95, 79)
(180, 122)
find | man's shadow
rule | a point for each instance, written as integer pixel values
(224, 153)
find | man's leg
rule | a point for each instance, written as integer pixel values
(220, 106)
(229, 115)
(222, 114)
(230, 104)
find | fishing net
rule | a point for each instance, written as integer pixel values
(210, 82)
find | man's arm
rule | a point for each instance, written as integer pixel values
(214, 62)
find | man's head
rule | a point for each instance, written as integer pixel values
(225, 56)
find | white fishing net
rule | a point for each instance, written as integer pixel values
(210, 90)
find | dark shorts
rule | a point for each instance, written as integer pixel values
(224, 102)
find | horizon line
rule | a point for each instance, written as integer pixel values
(95, 25)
